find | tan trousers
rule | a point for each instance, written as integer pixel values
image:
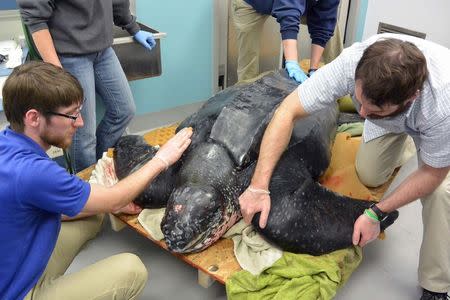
(121, 276)
(249, 25)
(375, 163)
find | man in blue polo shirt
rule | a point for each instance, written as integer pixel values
(42, 102)
(249, 17)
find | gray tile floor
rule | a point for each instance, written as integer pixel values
(388, 270)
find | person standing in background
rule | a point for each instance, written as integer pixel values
(249, 17)
(77, 36)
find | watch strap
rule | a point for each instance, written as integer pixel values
(380, 214)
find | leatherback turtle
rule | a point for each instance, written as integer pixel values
(202, 189)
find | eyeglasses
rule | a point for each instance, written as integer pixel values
(72, 117)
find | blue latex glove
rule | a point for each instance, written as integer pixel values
(145, 38)
(295, 71)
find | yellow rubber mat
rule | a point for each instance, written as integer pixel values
(161, 135)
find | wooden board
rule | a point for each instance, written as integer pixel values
(218, 261)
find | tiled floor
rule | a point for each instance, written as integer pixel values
(388, 270)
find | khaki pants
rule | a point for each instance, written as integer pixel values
(375, 163)
(249, 25)
(121, 276)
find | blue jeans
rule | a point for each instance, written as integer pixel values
(99, 72)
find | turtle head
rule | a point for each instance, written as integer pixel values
(193, 218)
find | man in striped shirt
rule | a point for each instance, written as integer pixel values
(401, 86)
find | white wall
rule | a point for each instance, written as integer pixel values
(430, 17)
(10, 26)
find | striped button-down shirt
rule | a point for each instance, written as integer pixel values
(427, 120)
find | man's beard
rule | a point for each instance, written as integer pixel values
(63, 142)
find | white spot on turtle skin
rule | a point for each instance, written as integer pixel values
(178, 208)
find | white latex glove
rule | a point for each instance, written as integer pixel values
(172, 150)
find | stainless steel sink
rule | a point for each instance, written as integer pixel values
(138, 62)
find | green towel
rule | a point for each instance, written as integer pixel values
(297, 276)
(354, 129)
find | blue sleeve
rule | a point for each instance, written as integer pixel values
(47, 186)
(321, 20)
(288, 14)
(36, 13)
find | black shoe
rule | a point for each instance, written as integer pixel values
(428, 295)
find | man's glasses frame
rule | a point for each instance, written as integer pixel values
(72, 117)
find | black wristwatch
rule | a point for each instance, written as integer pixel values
(380, 214)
